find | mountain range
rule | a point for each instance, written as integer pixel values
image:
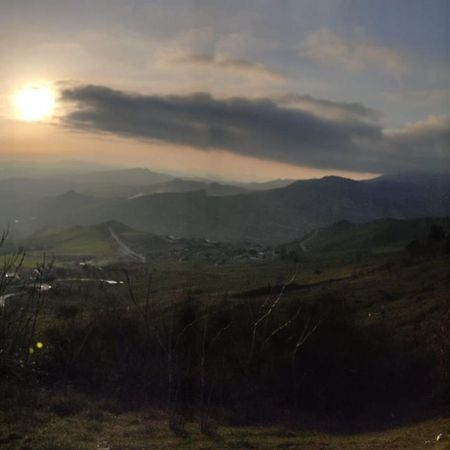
(228, 213)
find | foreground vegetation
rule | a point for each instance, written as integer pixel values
(256, 355)
(71, 422)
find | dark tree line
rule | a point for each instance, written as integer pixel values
(242, 361)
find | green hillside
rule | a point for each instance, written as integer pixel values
(385, 235)
(112, 241)
(79, 241)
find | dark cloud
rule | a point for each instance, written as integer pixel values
(433, 133)
(344, 111)
(427, 143)
(259, 128)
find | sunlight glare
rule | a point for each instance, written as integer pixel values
(35, 103)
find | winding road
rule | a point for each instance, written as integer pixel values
(125, 250)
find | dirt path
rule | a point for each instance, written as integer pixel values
(125, 250)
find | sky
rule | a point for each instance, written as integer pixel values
(237, 89)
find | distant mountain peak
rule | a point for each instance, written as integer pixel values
(330, 180)
(336, 179)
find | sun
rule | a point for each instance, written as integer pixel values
(35, 103)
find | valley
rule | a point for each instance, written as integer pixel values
(364, 298)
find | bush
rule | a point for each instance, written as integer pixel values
(192, 359)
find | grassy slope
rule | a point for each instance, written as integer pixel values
(385, 235)
(411, 293)
(96, 428)
(82, 241)
(341, 241)
(78, 241)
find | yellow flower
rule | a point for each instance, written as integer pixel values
(31, 350)
(39, 345)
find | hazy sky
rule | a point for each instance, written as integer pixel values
(242, 89)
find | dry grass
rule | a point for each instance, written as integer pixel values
(94, 428)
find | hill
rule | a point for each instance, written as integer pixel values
(105, 183)
(270, 217)
(78, 241)
(112, 241)
(379, 236)
(125, 183)
(180, 185)
(267, 185)
(280, 215)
